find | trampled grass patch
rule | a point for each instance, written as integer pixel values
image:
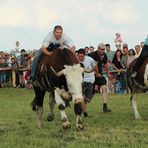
(118, 129)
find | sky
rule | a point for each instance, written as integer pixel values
(86, 22)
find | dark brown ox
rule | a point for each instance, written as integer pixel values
(137, 84)
(61, 75)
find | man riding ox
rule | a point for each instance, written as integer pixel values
(52, 41)
(137, 77)
(59, 72)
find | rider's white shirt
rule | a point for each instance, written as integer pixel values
(64, 41)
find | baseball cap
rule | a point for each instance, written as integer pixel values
(101, 45)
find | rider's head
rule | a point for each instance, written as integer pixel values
(58, 30)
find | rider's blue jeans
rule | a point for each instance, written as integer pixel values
(35, 62)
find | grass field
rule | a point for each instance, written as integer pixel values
(118, 129)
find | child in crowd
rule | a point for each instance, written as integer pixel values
(118, 41)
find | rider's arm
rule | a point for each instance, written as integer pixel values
(46, 52)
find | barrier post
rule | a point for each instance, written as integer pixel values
(13, 78)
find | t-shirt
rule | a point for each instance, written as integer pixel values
(110, 55)
(89, 63)
(64, 41)
(101, 60)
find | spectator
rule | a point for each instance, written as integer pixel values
(119, 64)
(118, 41)
(125, 56)
(15, 68)
(89, 79)
(3, 74)
(15, 52)
(91, 49)
(131, 56)
(141, 45)
(22, 64)
(109, 52)
(117, 59)
(111, 78)
(137, 50)
(86, 50)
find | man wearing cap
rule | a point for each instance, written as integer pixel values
(101, 58)
(53, 40)
(140, 59)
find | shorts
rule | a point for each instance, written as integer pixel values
(100, 81)
(87, 90)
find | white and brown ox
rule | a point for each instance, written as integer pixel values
(137, 84)
(61, 75)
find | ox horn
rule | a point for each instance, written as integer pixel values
(58, 74)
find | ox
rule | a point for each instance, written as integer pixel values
(61, 75)
(137, 84)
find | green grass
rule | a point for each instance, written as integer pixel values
(18, 127)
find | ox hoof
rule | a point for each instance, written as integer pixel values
(79, 125)
(138, 118)
(39, 125)
(65, 123)
(50, 117)
(79, 128)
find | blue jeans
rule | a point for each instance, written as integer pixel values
(2, 77)
(35, 62)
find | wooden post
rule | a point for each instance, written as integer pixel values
(13, 78)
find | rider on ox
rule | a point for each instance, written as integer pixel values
(140, 59)
(59, 72)
(53, 40)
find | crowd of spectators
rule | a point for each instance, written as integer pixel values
(20, 61)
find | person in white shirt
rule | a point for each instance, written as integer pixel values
(53, 40)
(89, 79)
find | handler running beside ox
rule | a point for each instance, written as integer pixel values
(101, 57)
